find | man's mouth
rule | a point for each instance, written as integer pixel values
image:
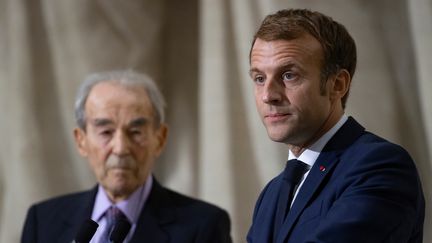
(120, 167)
(275, 117)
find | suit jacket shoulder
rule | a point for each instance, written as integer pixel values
(58, 219)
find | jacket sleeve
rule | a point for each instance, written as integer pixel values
(29, 234)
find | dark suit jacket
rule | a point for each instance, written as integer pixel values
(166, 217)
(360, 189)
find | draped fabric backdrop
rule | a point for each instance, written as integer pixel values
(197, 50)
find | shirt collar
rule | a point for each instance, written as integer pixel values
(310, 155)
(131, 207)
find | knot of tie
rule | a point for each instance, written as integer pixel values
(114, 216)
(294, 170)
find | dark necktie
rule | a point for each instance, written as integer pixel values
(294, 171)
(112, 215)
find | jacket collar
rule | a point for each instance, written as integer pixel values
(80, 209)
(326, 162)
(157, 212)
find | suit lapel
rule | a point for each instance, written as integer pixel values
(157, 212)
(325, 163)
(80, 210)
(310, 186)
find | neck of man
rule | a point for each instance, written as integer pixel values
(333, 117)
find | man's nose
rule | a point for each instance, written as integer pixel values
(121, 144)
(272, 92)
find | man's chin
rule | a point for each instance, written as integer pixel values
(277, 139)
(119, 174)
(119, 180)
(277, 136)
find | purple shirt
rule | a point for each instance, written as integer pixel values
(131, 208)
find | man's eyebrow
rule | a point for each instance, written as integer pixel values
(253, 70)
(100, 122)
(141, 121)
(286, 65)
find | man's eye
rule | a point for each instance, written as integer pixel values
(288, 76)
(106, 133)
(135, 132)
(259, 79)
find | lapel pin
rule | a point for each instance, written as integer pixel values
(322, 168)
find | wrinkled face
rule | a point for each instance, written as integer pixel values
(121, 141)
(286, 77)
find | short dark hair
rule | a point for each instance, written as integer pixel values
(338, 46)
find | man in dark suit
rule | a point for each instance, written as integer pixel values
(341, 184)
(121, 132)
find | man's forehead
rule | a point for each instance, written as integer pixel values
(114, 93)
(302, 47)
(115, 102)
(305, 39)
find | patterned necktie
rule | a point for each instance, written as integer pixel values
(112, 216)
(294, 171)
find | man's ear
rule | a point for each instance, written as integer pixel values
(340, 85)
(162, 135)
(80, 141)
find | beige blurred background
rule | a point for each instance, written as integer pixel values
(198, 52)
